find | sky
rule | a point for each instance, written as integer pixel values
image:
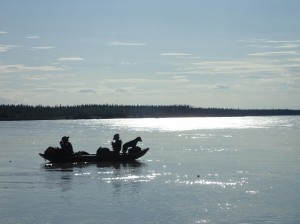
(204, 53)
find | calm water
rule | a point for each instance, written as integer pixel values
(198, 170)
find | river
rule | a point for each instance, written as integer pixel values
(198, 170)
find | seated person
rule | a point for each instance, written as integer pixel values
(66, 146)
(116, 144)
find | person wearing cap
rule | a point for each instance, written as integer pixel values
(66, 146)
(116, 144)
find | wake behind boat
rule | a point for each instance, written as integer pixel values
(94, 158)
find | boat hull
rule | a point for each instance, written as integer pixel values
(93, 158)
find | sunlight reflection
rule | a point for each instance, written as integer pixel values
(135, 178)
(252, 192)
(202, 221)
(193, 123)
(211, 182)
(226, 206)
(81, 174)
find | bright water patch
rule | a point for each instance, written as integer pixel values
(186, 124)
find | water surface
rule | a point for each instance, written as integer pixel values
(198, 170)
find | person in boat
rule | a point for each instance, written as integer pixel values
(131, 144)
(116, 144)
(66, 146)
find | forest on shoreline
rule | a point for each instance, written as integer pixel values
(107, 111)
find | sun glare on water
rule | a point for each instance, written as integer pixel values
(185, 124)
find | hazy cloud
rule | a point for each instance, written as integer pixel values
(4, 48)
(270, 41)
(130, 80)
(231, 67)
(179, 78)
(35, 77)
(288, 45)
(24, 68)
(283, 46)
(274, 53)
(282, 41)
(41, 48)
(275, 44)
(33, 37)
(128, 63)
(234, 67)
(70, 59)
(175, 54)
(294, 59)
(125, 89)
(133, 81)
(221, 86)
(117, 43)
(87, 91)
(3, 32)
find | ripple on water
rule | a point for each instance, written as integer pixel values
(209, 180)
(134, 178)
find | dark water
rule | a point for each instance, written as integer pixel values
(198, 170)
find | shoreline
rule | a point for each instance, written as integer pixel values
(27, 112)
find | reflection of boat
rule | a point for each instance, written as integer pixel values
(63, 167)
(107, 157)
(68, 167)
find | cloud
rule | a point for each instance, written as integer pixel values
(41, 48)
(234, 67)
(117, 43)
(125, 89)
(289, 45)
(275, 44)
(87, 91)
(265, 63)
(137, 82)
(3, 32)
(179, 78)
(282, 41)
(294, 59)
(4, 48)
(24, 68)
(274, 53)
(283, 46)
(128, 63)
(70, 59)
(269, 41)
(35, 77)
(130, 80)
(46, 76)
(175, 54)
(221, 86)
(33, 37)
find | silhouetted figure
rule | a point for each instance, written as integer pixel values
(66, 146)
(131, 144)
(103, 151)
(116, 144)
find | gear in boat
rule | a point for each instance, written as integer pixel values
(65, 154)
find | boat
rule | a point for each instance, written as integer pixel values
(92, 158)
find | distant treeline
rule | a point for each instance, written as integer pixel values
(106, 111)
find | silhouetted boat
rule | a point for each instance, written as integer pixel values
(107, 157)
